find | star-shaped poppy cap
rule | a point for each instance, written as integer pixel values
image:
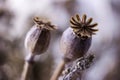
(82, 27)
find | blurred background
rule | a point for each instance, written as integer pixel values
(16, 19)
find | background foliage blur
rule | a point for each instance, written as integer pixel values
(16, 19)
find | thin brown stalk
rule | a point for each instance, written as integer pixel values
(58, 71)
(27, 70)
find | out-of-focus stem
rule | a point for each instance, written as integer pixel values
(58, 71)
(27, 71)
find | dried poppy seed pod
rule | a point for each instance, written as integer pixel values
(38, 38)
(76, 40)
(36, 42)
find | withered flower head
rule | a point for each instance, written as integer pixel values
(83, 27)
(38, 37)
(47, 25)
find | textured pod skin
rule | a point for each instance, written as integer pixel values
(73, 46)
(37, 40)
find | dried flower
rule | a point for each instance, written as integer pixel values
(76, 40)
(36, 42)
(38, 38)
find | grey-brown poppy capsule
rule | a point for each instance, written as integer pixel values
(76, 40)
(38, 37)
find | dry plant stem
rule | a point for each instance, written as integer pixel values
(27, 71)
(58, 71)
(81, 64)
(73, 75)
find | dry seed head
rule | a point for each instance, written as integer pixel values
(83, 27)
(38, 37)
